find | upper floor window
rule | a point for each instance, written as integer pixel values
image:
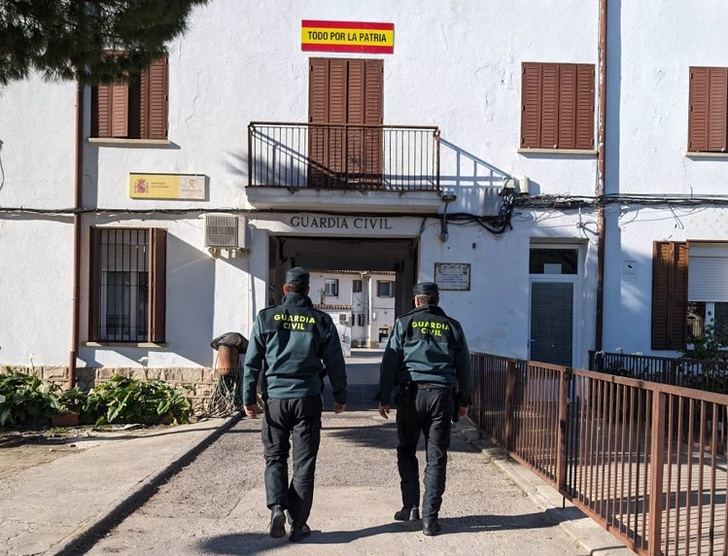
(707, 129)
(557, 106)
(135, 109)
(356, 286)
(385, 288)
(331, 287)
(127, 291)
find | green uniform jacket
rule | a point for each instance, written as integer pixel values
(289, 342)
(426, 346)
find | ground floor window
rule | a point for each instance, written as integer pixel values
(127, 285)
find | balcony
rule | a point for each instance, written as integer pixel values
(343, 166)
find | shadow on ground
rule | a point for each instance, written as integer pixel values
(253, 543)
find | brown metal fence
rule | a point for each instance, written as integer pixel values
(645, 460)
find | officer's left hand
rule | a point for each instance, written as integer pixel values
(339, 407)
(462, 411)
(384, 411)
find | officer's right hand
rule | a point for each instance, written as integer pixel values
(384, 411)
(252, 410)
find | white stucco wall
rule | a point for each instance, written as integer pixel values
(455, 65)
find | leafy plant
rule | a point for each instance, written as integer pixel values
(711, 345)
(73, 400)
(128, 400)
(26, 399)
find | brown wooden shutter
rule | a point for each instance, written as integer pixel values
(154, 85)
(157, 285)
(119, 113)
(717, 109)
(336, 138)
(101, 111)
(549, 106)
(698, 114)
(669, 294)
(355, 115)
(374, 115)
(94, 285)
(567, 106)
(584, 133)
(318, 113)
(531, 106)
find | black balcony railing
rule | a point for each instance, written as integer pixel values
(344, 156)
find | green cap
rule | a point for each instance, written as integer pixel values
(298, 274)
(428, 288)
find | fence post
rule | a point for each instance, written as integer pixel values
(511, 378)
(564, 378)
(657, 460)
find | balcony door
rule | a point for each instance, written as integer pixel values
(345, 100)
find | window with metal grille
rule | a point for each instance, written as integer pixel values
(356, 286)
(134, 109)
(557, 106)
(331, 287)
(360, 319)
(385, 288)
(127, 285)
(708, 116)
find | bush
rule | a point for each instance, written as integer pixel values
(26, 399)
(73, 400)
(129, 400)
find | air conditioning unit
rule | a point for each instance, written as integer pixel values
(225, 231)
(343, 318)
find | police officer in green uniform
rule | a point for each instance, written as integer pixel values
(427, 358)
(289, 343)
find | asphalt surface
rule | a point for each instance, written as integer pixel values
(216, 505)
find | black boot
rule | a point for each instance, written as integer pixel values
(299, 533)
(430, 526)
(408, 514)
(277, 525)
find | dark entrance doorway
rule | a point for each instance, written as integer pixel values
(349, 254)
(396, 255)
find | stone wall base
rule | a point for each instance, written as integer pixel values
(199, 381)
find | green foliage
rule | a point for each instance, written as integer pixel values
(711, 346)
(129, 400)
(26, 399)
(73, 400)
(67, 39)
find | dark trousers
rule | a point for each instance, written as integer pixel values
(301, 418)
(428, 411)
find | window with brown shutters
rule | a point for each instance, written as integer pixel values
(127, 285)
(708, 115)
(136, 109)
(557, 106)
(345, 101)
(669, 294)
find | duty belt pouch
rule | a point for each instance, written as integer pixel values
(404, 393)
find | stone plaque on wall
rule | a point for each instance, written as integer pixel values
(452, 276)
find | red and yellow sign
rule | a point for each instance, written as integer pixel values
(347, 36)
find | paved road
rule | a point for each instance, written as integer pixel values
(216, 505)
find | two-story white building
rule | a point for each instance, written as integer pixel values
(361, 301)
(450, 141)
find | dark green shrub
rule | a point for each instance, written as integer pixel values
(73, 400)
(26, 399)
(129, 400)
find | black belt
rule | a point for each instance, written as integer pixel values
(432, 386)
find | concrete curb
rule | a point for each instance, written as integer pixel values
(577, 525)
(83, 537)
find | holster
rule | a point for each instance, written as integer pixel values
(404, 392)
